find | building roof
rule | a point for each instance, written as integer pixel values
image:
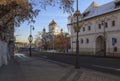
(95, 10)
(93, 5)
(117, 0)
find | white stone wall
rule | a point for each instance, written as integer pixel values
(110, 47)
(3, 53)
(94, 32)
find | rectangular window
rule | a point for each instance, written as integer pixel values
(83, 28)
(113, 23)
(106, 24)
(89, 28)
(99, 26)
(87, 41)
(117, 4)
(82, 41)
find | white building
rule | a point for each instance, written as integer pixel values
(100, 24)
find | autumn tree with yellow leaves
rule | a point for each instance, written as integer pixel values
(22, 10)
(62, 42)
(13, 13)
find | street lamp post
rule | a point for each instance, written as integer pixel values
(77, 30)
(103, 23)
(30, 38)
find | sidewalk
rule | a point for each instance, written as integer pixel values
(25, 68)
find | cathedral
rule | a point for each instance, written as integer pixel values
(52, 32)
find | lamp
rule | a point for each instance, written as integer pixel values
(77, 28)
(30, 38)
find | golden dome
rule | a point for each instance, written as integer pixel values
(53, 23)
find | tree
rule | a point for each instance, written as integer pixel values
(13, 13)
(63, 44)
(17, 11)
(38, 40)
(66, 5)
(23, 10)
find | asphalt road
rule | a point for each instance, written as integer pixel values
(104, 64)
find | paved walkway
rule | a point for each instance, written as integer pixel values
(25, 68)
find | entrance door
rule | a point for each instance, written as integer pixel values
(100, 44)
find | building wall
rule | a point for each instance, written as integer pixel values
(111, 47)
(94, 32)
(3, 53)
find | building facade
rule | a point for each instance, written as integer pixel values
(100, 29)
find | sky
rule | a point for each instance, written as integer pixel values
(46, 16)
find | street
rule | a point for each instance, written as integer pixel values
(25, 68)
(107, 65)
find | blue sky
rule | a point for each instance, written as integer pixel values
(46, 16)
